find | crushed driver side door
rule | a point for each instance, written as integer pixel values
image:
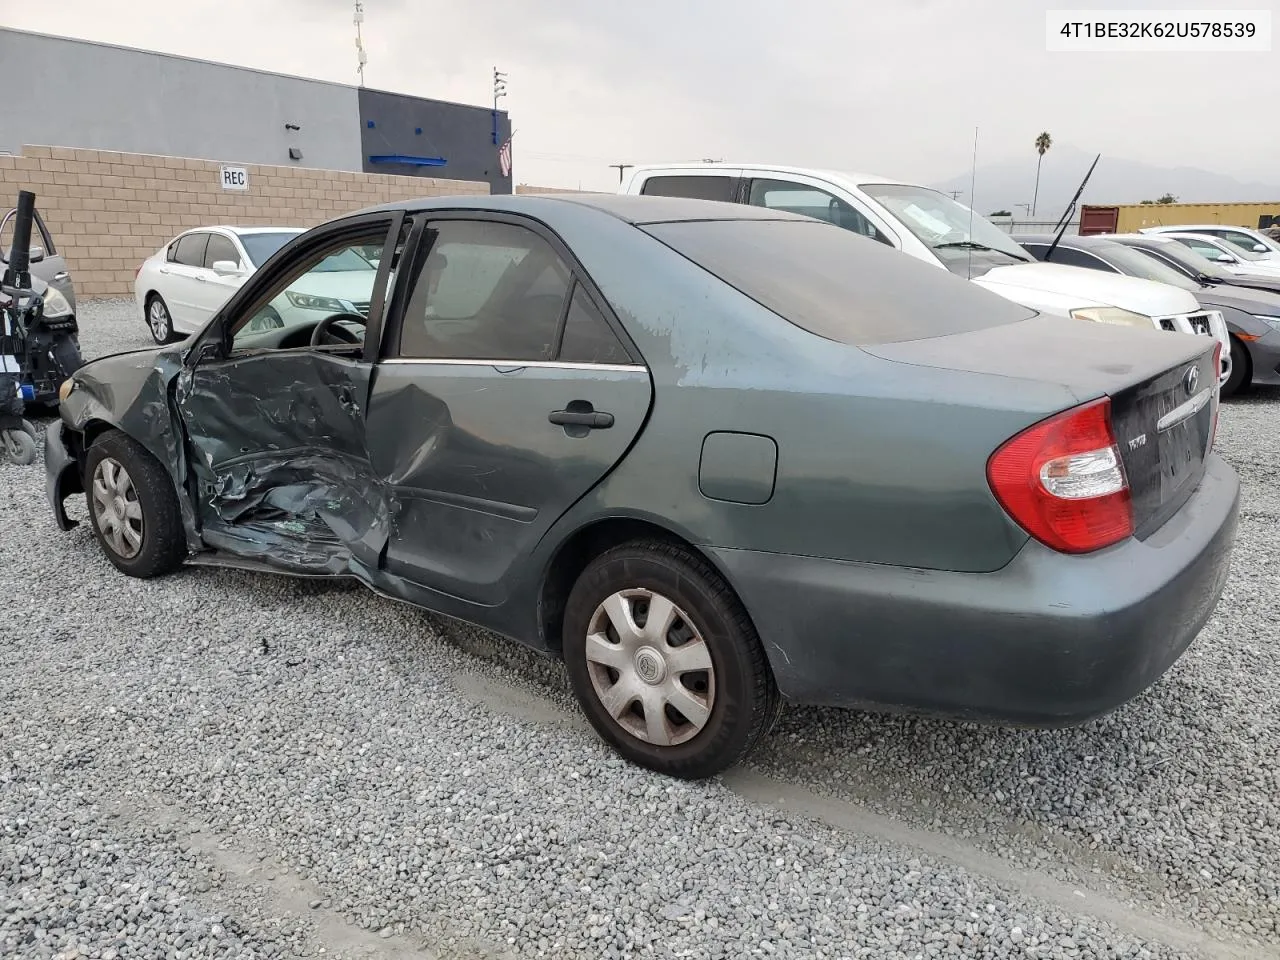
(275, 424)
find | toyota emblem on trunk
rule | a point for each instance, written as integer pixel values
(1191, 379)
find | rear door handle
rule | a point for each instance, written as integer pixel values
(580, 414)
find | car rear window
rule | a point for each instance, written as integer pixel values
(835, 283)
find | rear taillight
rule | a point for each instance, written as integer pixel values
(1062, 480)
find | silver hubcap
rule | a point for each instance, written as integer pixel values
(159, 320)
(650, 667)
(116, 508)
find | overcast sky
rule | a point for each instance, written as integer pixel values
(894, 88)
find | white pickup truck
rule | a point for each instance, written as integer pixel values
(933, 227)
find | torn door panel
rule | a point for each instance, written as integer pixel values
(281, 467)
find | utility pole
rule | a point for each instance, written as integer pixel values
(361, 57)
(620, 167)
(499, 91)
(1026, 208)
(955, 194)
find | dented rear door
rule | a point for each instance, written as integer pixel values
(509, 391)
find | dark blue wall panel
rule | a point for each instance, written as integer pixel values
(417, 134)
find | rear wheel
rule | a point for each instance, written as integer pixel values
(1241, 379)
(133, 507)
(159, 322)
(665, 661)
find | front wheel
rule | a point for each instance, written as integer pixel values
(133, 507)
(1241, 378)
(665, 661)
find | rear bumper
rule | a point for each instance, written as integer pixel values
(62, 475)
(1049, 640)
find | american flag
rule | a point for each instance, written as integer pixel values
(504, 157)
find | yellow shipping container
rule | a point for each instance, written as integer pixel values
(1135, 216)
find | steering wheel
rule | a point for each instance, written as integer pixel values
(337, 335)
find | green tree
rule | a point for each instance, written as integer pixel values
(1000, 213)
(1043, 143)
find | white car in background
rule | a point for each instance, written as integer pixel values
(1242, 238)
(1226, 254)
(180, 286)
(933, 227)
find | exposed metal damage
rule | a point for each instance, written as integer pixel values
(297, 488)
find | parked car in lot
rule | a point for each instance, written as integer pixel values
(180, 286)
(931, 227)
(710, 454)
(1231, 319)
(1186, 261)
(46, 263)
(1227, 255)
(1242, 238)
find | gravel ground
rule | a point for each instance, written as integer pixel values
(225, 765)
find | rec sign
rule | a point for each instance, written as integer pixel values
(234, 178)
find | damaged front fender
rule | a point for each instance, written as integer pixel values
(130, 392)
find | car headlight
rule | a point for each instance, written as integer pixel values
(1272, 322)
(1114, 316)
(65, 389)
(55, 304)
(305, 301)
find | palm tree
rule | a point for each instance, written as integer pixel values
(1043, 143)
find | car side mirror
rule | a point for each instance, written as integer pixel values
(226, 268)
(1225, 258)
(1259, 248)
(206, 350)
(37, 254)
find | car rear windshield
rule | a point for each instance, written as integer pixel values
(835, 283)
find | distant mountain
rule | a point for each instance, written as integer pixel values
(1005, 185)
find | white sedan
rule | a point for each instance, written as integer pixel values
(1226, 254)
(181, 285)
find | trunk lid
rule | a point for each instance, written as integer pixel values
(1162, 414)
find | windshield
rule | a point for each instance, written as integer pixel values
(1247, 241)
(1189, 259)
(260, 246)
(835, 284)
(948, 228)
(341, 261)
(1134, 264)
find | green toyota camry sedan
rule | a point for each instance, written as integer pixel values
(716, 457)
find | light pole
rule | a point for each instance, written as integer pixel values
(499, 91)
(361, 57)
(620, 167)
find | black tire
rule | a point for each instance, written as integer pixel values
(266, 319)
(18, 447)
(163, 546)
(1241, 379)
(158, 320)
(744, 702)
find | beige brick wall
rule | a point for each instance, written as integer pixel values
(110, 211)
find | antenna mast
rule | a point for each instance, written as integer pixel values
(361, 57)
